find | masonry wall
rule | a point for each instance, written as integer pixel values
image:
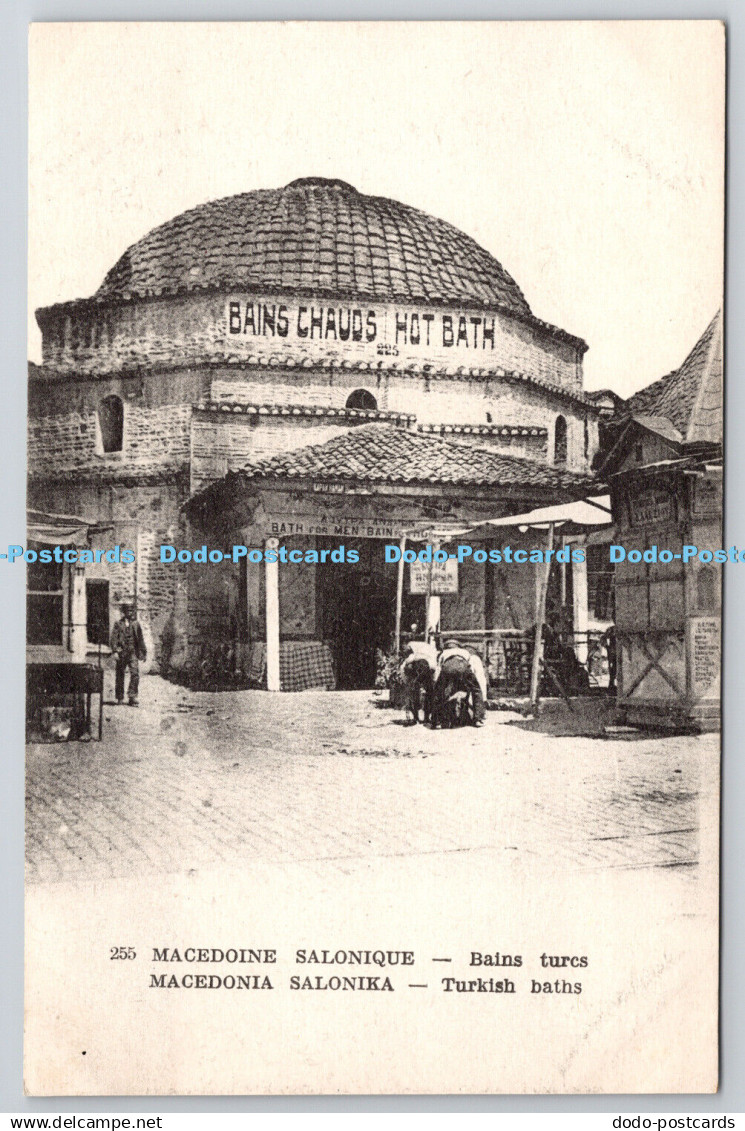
(95, 337)
(139, 518)
(226, 443)
(434, 401)
(154, 439)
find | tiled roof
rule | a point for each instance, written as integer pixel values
(315, 236)
(690, 397)
(380, 453)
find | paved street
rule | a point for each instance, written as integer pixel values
(194, 781)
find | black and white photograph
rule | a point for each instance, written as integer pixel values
(374, 557)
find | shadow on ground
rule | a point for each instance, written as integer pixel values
(584, 717)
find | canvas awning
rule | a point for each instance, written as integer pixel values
(56, 529)
(584, 514)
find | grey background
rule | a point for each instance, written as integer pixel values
(15, 16)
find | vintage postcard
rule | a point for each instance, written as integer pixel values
(374, 554)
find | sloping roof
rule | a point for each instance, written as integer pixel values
(690, 397)
(380, 453)
(316, 236)
(661, 425)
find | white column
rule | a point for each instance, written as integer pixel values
(272, 619)
(580, 608)
(433, 615)
(78, 614)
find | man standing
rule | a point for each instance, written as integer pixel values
(128, 646)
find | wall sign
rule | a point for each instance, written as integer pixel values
(651, 506)
(444, 577)
(313, 329)
(706, 656)
(335, 526)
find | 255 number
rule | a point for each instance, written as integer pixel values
(122, 952)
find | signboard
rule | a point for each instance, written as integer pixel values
(335, 526)
(651, 507)
(382, 331)
(707, 498)
(309, 330)
(444, 577)
(706, 656)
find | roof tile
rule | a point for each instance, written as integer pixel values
(309, 220)
(690, 397)
(381, 453)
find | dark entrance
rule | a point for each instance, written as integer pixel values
(356, 609)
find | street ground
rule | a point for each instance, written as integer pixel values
(193, 781)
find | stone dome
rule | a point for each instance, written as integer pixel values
(316, 237)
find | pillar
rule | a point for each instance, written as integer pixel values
(272, 618)
(433, 615)
(78, 614)
(580, 615)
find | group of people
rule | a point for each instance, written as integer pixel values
(447, 685)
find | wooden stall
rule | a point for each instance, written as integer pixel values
(668, 613)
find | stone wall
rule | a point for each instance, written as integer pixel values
(154, 439)
(90, 337)
(138, 518)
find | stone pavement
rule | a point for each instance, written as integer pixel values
(194, 781)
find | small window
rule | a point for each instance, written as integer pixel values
(111, 424)
(560, 442)
(360, 398)
(97, 601)
(44, 603)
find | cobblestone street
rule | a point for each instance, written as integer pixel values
(193, 781)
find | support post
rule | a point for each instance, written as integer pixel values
(433, 616)
(432, 623)
(272, 619)
(78, 614)
(399, 596)
(540, 616)
(580, 615)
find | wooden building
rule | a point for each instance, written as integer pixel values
(665, 475)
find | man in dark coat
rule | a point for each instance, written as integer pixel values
(128, 647)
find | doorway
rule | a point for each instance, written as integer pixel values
(356, 610)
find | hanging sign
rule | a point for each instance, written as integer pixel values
(444, 578)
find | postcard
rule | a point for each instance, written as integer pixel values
(373, 555)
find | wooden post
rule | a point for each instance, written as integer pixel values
(540, 616)
(432, 615)
(272, 619)
(580, 609)
(399, 596)
(78, 613)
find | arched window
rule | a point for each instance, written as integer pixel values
(560, 442)
(111, 424)
(360, 398)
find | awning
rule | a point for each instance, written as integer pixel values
(56, 529)
(584, 513)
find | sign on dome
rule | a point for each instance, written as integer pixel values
(360, 331)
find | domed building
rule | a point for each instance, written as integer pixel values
(295, 362)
